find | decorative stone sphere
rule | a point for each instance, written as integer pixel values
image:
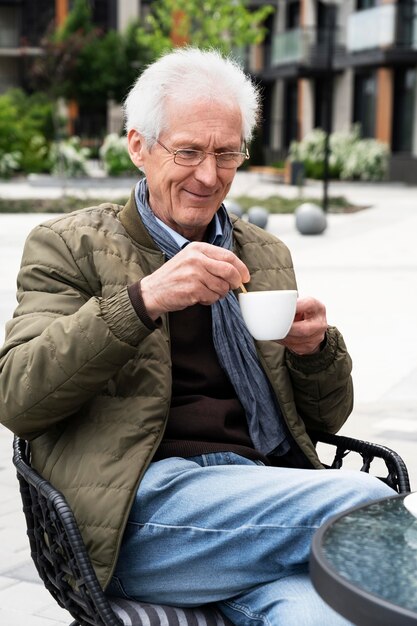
(233, 207)
(310, 219)
(258, 215)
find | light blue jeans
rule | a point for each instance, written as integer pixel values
(220, 528)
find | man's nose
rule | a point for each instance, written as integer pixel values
(206, 171)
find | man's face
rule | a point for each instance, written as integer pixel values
(186, 198)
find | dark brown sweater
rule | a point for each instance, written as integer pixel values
(206, 415)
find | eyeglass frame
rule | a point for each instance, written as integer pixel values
(204, 154)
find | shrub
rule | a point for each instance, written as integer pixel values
(69, 158)
(351, 158)
(9, 163)
(115, 156)
(36, 157)
(367, 160)
(26, 128)
(310, 151)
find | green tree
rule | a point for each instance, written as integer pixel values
(81, 62)
(56, 71)
(79, 19)
(108, 65)
(226, 26)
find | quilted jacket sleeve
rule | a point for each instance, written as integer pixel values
(322, 384)
(64, 342)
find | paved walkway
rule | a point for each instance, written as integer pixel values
(364, 267)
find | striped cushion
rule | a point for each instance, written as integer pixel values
(142, 614)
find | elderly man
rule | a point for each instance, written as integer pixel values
(181, 445)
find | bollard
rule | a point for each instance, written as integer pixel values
(310, 219)
(233, 207)
(258, 215)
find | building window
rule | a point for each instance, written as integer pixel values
(292, 17)
(102, 13)
(405, 83)
(364, 106)
(407, 23)
(37, 17)
(320, 86)
(326, 21)
(9, 27)
(290, 129)
(9, 73)
(365, 4)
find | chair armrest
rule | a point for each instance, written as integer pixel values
(397, 477)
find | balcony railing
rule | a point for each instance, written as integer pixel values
(9, 37)
(303, 46)
(385, 26)
(372, 28)
(290, 47)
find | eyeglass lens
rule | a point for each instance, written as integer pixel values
(195, 157)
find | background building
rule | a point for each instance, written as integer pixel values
(372, 75)
(370, 78)
(22, 26)
(24, 22)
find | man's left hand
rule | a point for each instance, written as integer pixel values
(308, 329)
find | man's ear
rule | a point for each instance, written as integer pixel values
(136, 146)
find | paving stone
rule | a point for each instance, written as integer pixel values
(10, 617)
(362, 268)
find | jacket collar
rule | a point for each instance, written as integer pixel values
(130, 218)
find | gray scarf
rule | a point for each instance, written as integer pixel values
(233, 343)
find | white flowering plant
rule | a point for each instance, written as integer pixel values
(115, 156)
(69, 158)
(350, 158)
(368, 160)
(9, 163)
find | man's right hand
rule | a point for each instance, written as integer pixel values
(200, 274)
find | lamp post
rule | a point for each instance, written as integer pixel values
(328, 113)
(310, 218)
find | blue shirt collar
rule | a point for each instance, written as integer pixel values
(215, 232)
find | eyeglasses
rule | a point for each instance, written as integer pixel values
(191, 158)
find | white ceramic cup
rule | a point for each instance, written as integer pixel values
(268, 314)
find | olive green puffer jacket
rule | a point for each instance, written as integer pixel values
(90, 385)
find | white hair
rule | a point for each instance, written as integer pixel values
(185, 76)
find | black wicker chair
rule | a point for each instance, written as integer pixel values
(61, 559)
